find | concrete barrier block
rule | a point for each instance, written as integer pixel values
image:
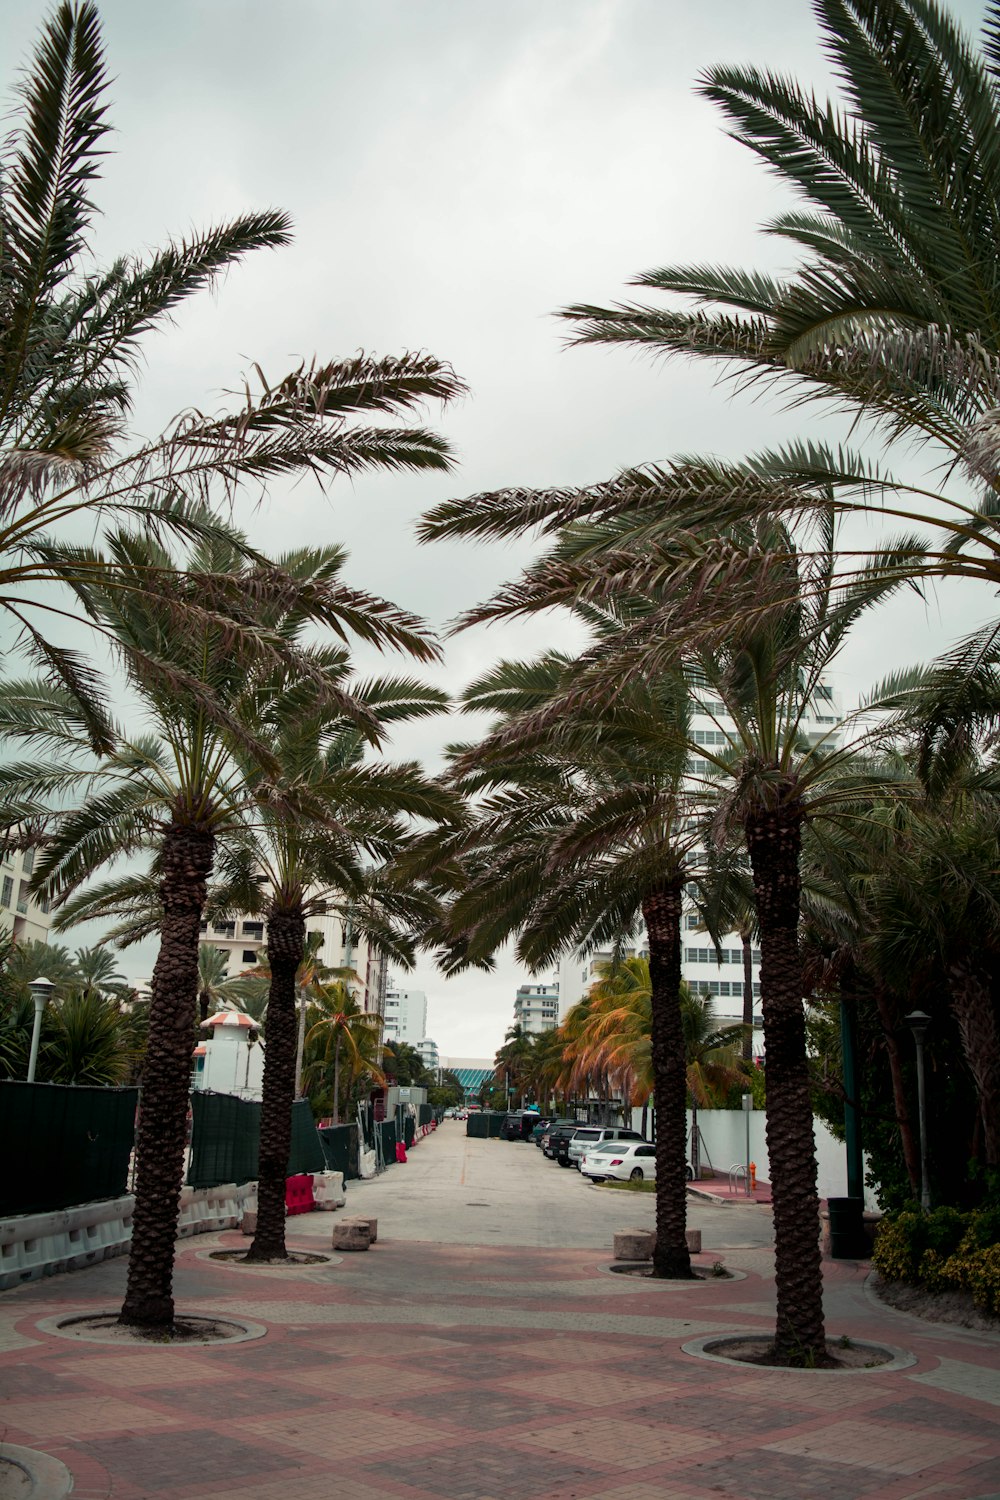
(634, 1244)
(249, 1222)
(693, 1237)
(351, 1234)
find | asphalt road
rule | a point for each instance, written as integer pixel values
(459, 1190)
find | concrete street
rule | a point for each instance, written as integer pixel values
(487, 1353)
(473, 1192)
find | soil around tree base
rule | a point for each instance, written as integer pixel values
(187, 1329)
(840, 1355)
(644, 1268)
(934, 1307)
(292, 1259)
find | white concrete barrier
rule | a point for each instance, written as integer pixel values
(36, 1245)
(328, 1190)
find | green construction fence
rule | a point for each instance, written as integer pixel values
(63, 1145)
(225, 1140)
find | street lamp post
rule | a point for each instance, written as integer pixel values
(40, 989)
(918, 1022)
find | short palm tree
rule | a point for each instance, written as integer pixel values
(341, 1028)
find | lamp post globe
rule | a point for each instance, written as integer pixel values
(41, 990)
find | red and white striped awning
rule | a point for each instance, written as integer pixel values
(230, 1018)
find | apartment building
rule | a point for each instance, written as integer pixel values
(21, 914)
(244, 941)
(405, 1015)
(536, 1007)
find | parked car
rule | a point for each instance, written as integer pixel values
(518, 1125)
(622, 1160)
(540, 1135)
(591, 1135)
(555, 1137)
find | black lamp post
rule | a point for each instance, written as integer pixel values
(918, 1022)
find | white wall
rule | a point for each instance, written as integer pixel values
(724, 1134)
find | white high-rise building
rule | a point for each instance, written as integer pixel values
(405, 1015)
(536, 1007)
(22, 915)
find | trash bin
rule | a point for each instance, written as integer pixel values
(847, 1228)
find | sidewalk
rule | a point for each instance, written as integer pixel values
(453, 1372)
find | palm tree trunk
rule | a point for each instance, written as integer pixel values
(911, 1157)
(972, 1006)
(336, 1080)
(774, 838)
(747, 996)
(300, 1045)
(661, 910)
(166, 1079)
(286, 937)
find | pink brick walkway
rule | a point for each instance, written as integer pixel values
(421, 1373)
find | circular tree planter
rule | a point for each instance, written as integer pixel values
(643, 1270)
(26, 1474)
(297, 1260)
(847, 1356)
(191, 1330)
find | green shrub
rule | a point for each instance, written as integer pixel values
(899, 1246)
(982, 1278)
(943, 1251)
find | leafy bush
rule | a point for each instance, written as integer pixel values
(943, 1251)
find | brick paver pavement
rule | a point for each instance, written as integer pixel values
(413, 1373)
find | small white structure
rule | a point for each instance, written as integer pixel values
(231, 1059)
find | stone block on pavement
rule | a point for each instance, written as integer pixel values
(351, 1234)
(693, 1237)
(634, 1244)
(249, 1221)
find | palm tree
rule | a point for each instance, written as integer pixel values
(216, 988)
(513, 1060)
(100, 975)
(583, 836)
(340, 1024)
(670, 587)
(176, 793)
(69, 351)
(306, 853)
(893, 310)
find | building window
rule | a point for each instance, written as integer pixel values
(8, 889)
(254, 931)
(28, 861)
(224, 929)
(249, 957)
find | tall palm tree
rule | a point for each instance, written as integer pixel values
(318, 825)
(671, 588)
(582, 837)
(69, 352)
(177, 792)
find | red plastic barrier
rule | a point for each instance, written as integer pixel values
(299, 1195)
(400, 1151)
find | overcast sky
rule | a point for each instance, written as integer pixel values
(456, 170)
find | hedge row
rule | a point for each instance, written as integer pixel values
(943, 1251)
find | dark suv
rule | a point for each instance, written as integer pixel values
(518, 1126)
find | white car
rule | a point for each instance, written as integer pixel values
(623, 1160)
